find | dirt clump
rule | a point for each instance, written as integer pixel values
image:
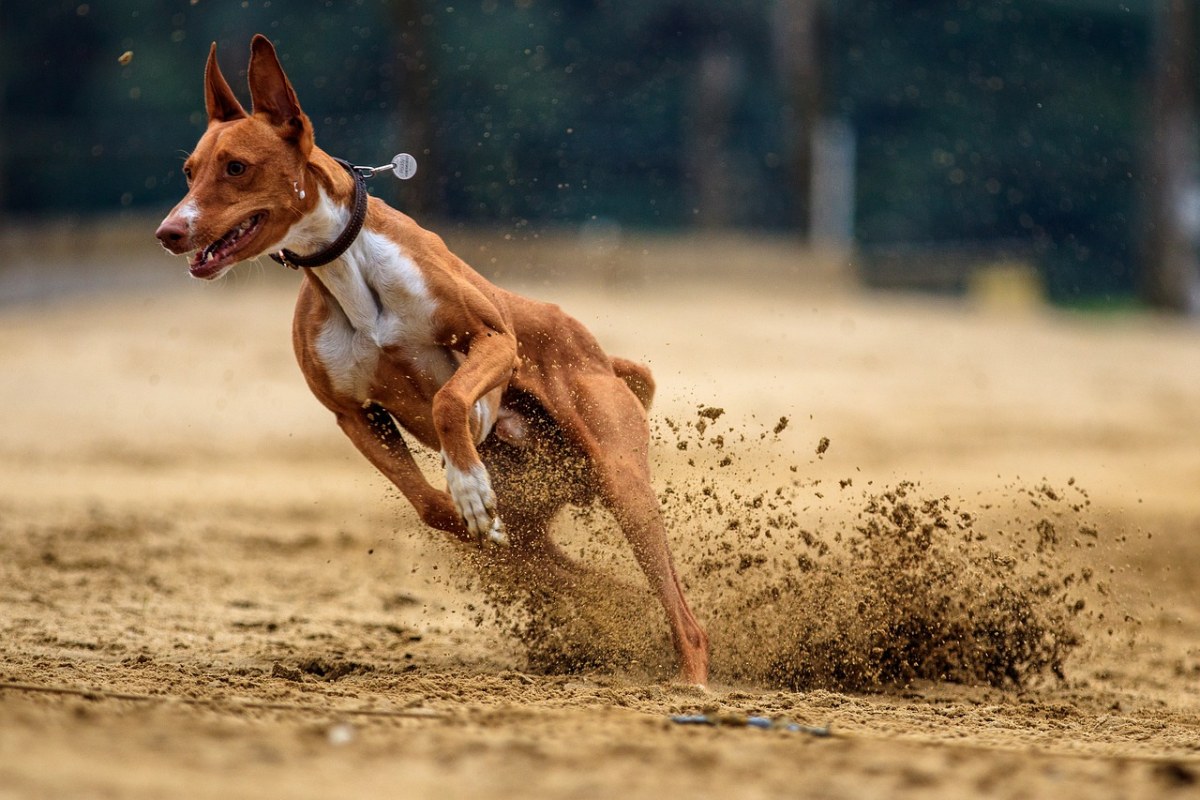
(332, 670)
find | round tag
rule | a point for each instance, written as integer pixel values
(405, 166)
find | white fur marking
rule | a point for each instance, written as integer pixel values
(189, 213)
(317, 228)
(484, 415)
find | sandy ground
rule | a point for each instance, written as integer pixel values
(205, 592)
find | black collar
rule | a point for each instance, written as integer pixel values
(342, 243)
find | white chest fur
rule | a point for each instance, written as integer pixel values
(382, 301)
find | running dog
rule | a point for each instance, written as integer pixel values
(393, 331)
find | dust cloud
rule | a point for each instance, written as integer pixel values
(810, 587)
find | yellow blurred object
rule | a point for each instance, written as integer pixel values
(1006, 286)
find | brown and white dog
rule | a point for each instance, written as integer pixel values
(394, 331)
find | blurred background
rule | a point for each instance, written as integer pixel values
(927, 144)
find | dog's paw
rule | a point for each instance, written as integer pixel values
(471, 490)
(497, 534)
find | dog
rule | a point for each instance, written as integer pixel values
(394, 332)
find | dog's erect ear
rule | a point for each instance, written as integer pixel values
(219, 99)
(273, 97)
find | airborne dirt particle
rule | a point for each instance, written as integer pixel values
(822, 445)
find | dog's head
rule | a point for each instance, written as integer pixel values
(247, 175)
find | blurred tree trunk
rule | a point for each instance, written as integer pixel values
(3, 157)
(413, 94)
(800, 39)
(3, 133)
(720, 73)
(1171, 273)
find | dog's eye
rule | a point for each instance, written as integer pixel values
(235, 168)
(187, 174)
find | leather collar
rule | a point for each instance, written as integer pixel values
(342, 243)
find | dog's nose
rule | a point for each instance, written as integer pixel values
(173, 234)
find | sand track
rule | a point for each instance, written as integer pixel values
(205, 592)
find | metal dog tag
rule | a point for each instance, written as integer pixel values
(404, 166)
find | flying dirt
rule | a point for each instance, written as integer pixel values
(916, 589)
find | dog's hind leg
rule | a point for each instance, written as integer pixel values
(610, 424)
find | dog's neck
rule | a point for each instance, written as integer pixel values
(354, 280)
(345, 279)
(324, 193)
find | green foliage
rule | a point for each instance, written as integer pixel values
(990, 119)
(1017, 120)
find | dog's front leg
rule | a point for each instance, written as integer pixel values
(489, 364)
(376, 436)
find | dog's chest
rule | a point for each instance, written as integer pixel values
(379, 334)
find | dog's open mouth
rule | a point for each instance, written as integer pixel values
(227, 249)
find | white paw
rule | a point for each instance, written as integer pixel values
(471, 491)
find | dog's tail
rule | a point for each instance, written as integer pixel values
(637, 377)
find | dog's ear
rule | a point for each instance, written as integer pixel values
(272, 95)
(219, 99)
